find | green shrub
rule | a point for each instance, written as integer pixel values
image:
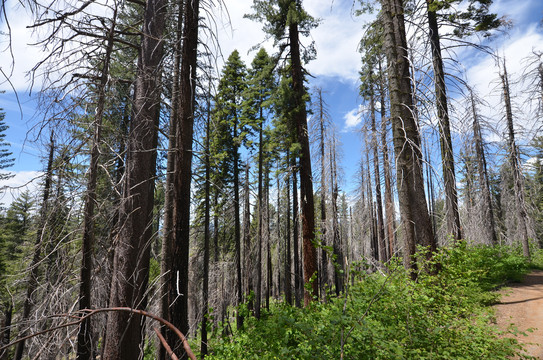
(442, 316)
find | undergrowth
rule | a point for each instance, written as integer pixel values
(443, 316)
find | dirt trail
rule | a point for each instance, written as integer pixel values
(522, 305)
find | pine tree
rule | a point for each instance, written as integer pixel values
(6, 159)
(229, 106)
(261, 85)
(285, 21)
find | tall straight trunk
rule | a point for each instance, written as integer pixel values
(522, 217)
(269, 281)
(205, 285)
(288, 261)
(324, 257)
(168, 226)
(488, 212)
(216, 226)
(336, 240)
(383, 257)
(132, 253)
(390, 213)
(248, 261)
(84, 337)
(32, 281)
(298, 283)
(260, 219)
(306, 182)
(451, 198)
(430, 187)
(178, 275)
(416, 224)
(237, 230)
(374, 238)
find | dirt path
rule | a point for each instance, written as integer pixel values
(522, 305)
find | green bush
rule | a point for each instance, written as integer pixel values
(440, 316)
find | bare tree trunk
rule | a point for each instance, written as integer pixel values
(132, 253)
(168, 226)
(488, 212)
(336, 240)
(269, 281)
(389, 202)
(377, 174)
(447, 156)
(205, 285)
(374, 238)
(177, 277)
(298, 283)
(237, 231)
(84, 337)
(430, 187)
(248, 263)
(288, 261)
(36, 258)
(416, 224)
(522, 217)
(306, 182)
(324, 257)
(260, 220)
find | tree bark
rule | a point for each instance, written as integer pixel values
(132, 252)
(248, 263)
(260, 219)
(177, 277)
(451, 198)
(390, 213)
(514, 159)
(269, 270)
(205, 285)
(288, 261)
(324, 257)
(336, 240)
(488, 212)
(383, 257)
(168, 226)
(416, 224)
(298, 283)
(84, 337)
(306, 178)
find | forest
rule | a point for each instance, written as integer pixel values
(190, 210)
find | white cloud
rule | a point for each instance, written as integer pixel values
(24, 55)
(11, 188)
(336, 38)
(353, 118)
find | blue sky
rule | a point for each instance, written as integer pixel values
(335, 69)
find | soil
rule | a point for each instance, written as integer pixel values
(522, 305)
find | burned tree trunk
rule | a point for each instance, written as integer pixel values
(132, 251)
(522, 217)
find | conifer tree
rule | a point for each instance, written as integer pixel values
(6, 159)
(257, 107)
(229, 104)
(285, 21)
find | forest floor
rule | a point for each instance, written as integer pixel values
(522, 305)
